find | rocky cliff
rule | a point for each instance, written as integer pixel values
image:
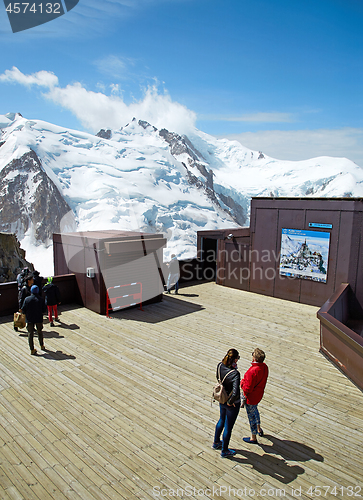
(200, 174)
(12, 258)
(30, 200)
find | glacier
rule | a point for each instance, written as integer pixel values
(141, 178)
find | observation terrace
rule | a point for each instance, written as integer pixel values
(120, 408)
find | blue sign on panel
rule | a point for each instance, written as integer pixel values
(318, 224)
(304, 254)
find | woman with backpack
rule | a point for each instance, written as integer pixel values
(228, 373)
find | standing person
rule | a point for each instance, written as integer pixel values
(229, 410)
(24, 285)
(253, 386)
(20, 277)
(33, 308)
(38, 281)
(52, 299)
(24, 291)
(173, 278)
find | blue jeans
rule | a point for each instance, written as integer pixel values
(173, 280)
(228, 416)
(253, 417)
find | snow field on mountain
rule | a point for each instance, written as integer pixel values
(132, 183)
(322, 176)
(136, 180)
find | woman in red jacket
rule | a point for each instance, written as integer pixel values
(253, 386)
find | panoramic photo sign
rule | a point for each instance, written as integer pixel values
(304, 254)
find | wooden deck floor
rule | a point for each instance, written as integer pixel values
(120, 409)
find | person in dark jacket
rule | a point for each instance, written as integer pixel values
(38, 281)
(229, 410)
(20, 277)
(24, 284)
(33, 308)
(24, 292)
(52, 299)
(253, 385)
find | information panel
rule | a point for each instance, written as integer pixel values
(304, 254)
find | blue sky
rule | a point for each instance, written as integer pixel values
(282, 77)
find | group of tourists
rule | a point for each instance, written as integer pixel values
(246, 393)
(33, 305)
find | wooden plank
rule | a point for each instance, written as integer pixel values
(119, 407)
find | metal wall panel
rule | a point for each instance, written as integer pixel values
(263, 239)
(317, 293)
(359, 277)
(269, 216)
(349, 360)
(76, 264)
(236, 266)
(355, 270)
(134, 257)
(92, 286)
(126, 268)
(288, 288)
(60, 264)
(9, 293)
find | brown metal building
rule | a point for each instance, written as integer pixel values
(249, 258)
(127, 264)
(255, 259)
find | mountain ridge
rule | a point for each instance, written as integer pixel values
(141, 178)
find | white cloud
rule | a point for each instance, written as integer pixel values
(261, 117)
(114, 66)
(115, 89)
(305, 144)
(97, 110)
(41, 78)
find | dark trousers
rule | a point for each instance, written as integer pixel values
(228, 416)
(30, 328)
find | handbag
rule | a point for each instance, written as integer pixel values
(19, 320)
(219, 392)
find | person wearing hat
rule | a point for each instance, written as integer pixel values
(52, 300)
(33, 308)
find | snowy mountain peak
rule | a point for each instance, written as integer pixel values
(145, 179)
(138, 127)
(104, 134)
